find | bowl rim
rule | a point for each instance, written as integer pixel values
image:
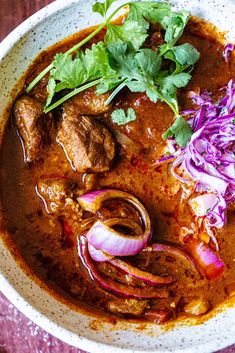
(7, 289)
(24, 27)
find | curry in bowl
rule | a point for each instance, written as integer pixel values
(118, 166)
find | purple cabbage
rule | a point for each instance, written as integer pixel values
(227, 51)
(209, 157)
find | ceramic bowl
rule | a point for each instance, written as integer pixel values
(45, 28)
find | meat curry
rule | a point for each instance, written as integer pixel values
(100, 210)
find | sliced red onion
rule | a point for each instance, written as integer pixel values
(98, 255)
(112, 286)
(103, 237)
(227, 51)
(172, 250)
(205, 257)
(147, 277)
(93, 201)
(135, 228)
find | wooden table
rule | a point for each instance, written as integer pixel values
(17, 333)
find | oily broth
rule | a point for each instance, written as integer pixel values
(39, 237)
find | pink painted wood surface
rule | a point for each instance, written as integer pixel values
(17, 333)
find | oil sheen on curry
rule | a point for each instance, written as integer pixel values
(118, 167)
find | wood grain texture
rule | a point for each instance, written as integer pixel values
(17, 333)
(13, 12)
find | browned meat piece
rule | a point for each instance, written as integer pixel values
(132, 307)
(88, 144)
(118, 209)
(87, 103)
(57, 194)
(197, 306)
(33, 127)
(155, 38)
(157, 316)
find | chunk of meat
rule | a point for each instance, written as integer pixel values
(145, 133)
(133, 307)
(197, 306)
(57, 194)
(87, 103)
(230, 289)
(157, 316)
(88, 144)
(33, 127)
(155, 39)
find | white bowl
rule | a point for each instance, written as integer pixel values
(43, 29)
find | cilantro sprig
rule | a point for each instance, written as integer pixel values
(120, 117)
(121, 61)
(77, 46)
(69, 73)
(180, 130)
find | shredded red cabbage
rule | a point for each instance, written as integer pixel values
(227, 51)
(209, 157)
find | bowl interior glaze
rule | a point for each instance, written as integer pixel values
(45, 28)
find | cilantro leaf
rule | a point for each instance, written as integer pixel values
(180, 130)
(233, 121)
(138, 70)
(186, 54)
(174, 25)
(130, 32)
(170, 82)
(148, 12)
(102, 7)
(108, 83)
(149, 62)
(168, 87)
(122, 60)
(51, 90)
(145, 86)
(120, 117)
(90, 58)
(69, 72)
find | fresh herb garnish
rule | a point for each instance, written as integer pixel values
(147, 12)
(180, 130)
(69, 73)
(120, 61)
(120, 117)
(168, 87)
(130, 32)
(106, 5)
(102, 7)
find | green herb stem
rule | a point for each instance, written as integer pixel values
(71, 94)
(75, 47)
(115, 92)
(38, 78)
(176, 112)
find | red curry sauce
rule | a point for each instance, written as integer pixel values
(51, 250)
